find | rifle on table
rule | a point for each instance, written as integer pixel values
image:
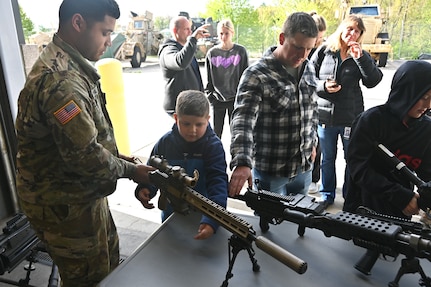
(17, 243)
(378, 234)
(176, 186)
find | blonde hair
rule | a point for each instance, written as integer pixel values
(226, 23)
(334, 40)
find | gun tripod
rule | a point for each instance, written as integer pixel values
(35, 256)
(411, 265)
(237, 245)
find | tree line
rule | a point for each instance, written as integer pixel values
(408, 22)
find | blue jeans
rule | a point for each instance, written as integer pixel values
(283, 185)
(328, 137)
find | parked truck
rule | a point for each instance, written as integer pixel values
(376, 38)
(139, 40)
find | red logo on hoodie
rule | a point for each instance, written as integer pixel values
(410, 161)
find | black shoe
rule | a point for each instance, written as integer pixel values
(325, 203)
(263, 224)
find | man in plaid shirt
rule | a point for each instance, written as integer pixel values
(274, 121)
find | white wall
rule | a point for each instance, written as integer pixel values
(10, 54)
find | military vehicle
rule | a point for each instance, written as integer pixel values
(376, 39)
(139, 40)
(41, 39)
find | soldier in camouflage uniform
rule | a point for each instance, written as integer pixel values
(68, 161)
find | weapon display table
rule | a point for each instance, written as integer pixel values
(171, 257)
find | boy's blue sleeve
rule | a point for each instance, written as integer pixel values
(216, 177)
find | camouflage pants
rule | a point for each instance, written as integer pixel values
(81, 239)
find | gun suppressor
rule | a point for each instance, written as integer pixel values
(282, 255)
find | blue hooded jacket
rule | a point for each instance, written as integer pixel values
(206, 155)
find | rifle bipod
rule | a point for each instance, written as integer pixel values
(37, 254)
(411, 265)
(237, 245)
(28, 268)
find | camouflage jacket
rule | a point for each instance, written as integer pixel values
(66, 147)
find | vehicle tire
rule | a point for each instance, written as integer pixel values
(136, 58)
(383, 59)
(144, 57)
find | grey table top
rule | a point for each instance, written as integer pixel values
(171, 257)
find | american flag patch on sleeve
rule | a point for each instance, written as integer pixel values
(67, 112)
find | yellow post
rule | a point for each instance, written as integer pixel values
(112, 84)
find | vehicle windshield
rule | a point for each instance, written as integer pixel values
(367, 10)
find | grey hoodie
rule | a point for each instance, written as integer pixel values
(180, 70)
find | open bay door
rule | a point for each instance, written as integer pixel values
(12, 79)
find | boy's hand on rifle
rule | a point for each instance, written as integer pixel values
(205, 231)
(143, 196)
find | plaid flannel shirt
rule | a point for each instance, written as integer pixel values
(274, 123)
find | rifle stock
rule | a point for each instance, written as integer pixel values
(175, 184)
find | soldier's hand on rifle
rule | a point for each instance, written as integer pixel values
(412, 208)
(240, 175)
(141, 173)
(205, 231)
(143, 195)
(201, 32)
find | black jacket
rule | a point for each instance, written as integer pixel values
(373, 181)
(341, 108)
(177, 63)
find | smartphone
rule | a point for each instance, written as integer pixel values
(333, 81)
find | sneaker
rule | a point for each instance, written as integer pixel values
(313, 188)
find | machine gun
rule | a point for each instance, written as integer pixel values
(378, 234)
(176, 187)
(17, 243)
(424, 189)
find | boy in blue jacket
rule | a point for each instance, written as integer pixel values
(192, 144)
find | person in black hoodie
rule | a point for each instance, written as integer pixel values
(403, 127)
